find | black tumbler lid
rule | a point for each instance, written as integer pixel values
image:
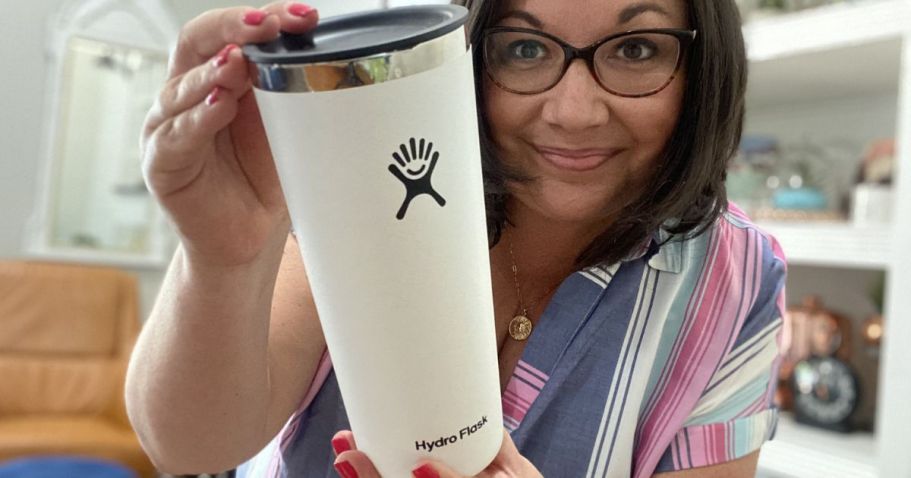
(361, 34)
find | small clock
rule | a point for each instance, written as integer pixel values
(826, 393)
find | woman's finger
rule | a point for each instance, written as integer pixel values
(174, 148)
(226, 69)
(343, 441)
(205, 35)
(294, 17)
(355, 464)
(208, 33)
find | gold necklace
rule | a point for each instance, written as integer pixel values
(520, 326)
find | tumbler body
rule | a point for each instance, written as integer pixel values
(383, 183)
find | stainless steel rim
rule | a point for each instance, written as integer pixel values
(382, 68)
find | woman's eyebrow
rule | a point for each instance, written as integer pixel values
(525, 16)
(633, 11)
(625, 16)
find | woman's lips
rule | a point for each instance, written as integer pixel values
(576, 159)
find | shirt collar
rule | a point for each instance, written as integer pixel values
(664, 252)
(669, 257)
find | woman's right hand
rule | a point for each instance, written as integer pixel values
(205, 154)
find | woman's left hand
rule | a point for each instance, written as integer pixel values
(352, 463)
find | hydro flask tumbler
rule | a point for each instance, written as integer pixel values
(373, 127)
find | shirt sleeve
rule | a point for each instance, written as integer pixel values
(736, 413)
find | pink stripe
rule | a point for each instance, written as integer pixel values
(518, 372)
(700, 355)
(707, 445)
(528, 368)
(734, 209)
(721, 442)
(523, 390)
(514, 403)
(512, 397)
(514, 411)
(695, 298)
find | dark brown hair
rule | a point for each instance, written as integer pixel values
(689, 186)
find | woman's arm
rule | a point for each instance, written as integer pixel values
(744, 467)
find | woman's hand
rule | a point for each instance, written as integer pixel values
(205, 156)
(352, 463)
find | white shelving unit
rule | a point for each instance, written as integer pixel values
(805, 452)
(829, 54)
(834, 244)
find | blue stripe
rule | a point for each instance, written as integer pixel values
(629, 379)
(689, 455)
(599, 446)
(759, 340)
(732, 372)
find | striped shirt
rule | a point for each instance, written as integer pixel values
(665, 361)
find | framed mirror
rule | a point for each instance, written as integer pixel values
(108, 62)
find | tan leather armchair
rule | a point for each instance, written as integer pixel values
(66, 332)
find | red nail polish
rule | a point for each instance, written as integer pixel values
(222, 57)
(254, 17)
(345, 469)
(340, 445)
(300, 10)
(425, 471)
(213, 96)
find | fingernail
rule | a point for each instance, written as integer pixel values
(340, 445)
(345, 469)
(222, 57)
(300, 10)
(254, 17)
(213, 96)
(425, 471)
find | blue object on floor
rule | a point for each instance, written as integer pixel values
(63, 467)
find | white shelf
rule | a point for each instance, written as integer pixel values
(857, 54)
(826, 28)
(838, 51)
(833, 244)
(799, 451)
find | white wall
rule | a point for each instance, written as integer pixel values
(23, 28)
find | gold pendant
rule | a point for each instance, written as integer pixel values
(520, 327)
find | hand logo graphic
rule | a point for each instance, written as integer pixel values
(414, 168)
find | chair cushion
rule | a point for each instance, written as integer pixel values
(63, 467)
(32, 384)
(71, 435)
(59, 309)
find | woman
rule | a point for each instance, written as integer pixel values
(658, 345)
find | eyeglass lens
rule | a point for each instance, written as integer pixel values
(635, 64)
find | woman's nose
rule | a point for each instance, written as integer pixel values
(577, 102)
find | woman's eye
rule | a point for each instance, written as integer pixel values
(527, 50)
(637, 49)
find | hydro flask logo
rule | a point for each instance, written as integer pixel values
(414, 168)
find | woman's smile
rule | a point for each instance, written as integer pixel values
(576, 159)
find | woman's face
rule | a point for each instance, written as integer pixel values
(590, 152)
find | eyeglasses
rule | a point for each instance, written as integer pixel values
(630, 64)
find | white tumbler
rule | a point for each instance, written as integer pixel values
(373, 126)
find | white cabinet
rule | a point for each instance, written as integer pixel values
(844, 72)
